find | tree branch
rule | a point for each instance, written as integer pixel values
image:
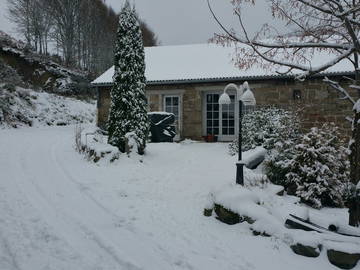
(340, 89)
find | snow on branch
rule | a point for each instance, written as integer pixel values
(308, 70)
(286, 45)
(339, 88)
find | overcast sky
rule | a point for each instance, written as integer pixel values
(181, 21)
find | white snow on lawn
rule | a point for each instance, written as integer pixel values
(58, 211)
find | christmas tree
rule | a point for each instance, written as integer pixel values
(128, 113)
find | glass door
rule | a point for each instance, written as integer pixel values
(220, 119)
(172, 105)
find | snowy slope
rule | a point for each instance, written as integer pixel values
(26, 107)
(41, 71)
(59, 211)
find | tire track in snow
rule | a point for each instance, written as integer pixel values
(9, 252)
(116, 219)
(63, 220)
(65, 207)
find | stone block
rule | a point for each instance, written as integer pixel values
(229, 217)
(307, 251)
(208, 212)
(342, 259)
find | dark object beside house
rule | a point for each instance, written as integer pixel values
(162, 126)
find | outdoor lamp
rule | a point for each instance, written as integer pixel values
(248, 99)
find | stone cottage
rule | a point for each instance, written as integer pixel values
(187, 80)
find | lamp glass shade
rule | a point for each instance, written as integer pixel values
(248, 98)
(224, 99)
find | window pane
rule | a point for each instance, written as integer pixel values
(216, 123)
(216, 115)
(209, 98)
(175, 101)
(225, 131)
(216, 131)
(209, 107)
(231, 131)
(216, 107)
(168, 101)
(209, 115)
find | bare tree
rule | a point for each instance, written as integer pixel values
(32, 22)
(65, 14)
(321, 25)
(84, 31)
(20, 13)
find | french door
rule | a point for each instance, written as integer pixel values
(172, 105)
(220, 119)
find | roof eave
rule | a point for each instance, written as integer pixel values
(232, 79)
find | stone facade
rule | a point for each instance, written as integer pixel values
(317, 101)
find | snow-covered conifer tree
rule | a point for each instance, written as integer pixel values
(319, 173)
(128, 101)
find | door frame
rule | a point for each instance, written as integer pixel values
(178, 136)
(221, 138)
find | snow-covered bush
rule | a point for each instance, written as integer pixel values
(277, 163)
(92, 142)
(8, 74)
(265, 127)
(316, 169)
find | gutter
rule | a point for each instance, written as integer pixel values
(233, 79)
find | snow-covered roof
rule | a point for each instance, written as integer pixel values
(205, 62)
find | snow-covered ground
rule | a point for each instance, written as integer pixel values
(58, 211)
(23, 107)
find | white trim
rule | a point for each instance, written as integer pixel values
(223, 138)
(180, 107)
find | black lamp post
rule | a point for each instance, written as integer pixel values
(244, 97)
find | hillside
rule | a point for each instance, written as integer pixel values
(40, 71)
(37, 91)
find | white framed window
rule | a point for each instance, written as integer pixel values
(219, 119)
(172, 104)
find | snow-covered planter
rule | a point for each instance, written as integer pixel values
(235, 204)
(265, 127)
(266, 214)
(92, 142)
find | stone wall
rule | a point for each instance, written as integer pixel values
(103, 106)
(316, 101)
